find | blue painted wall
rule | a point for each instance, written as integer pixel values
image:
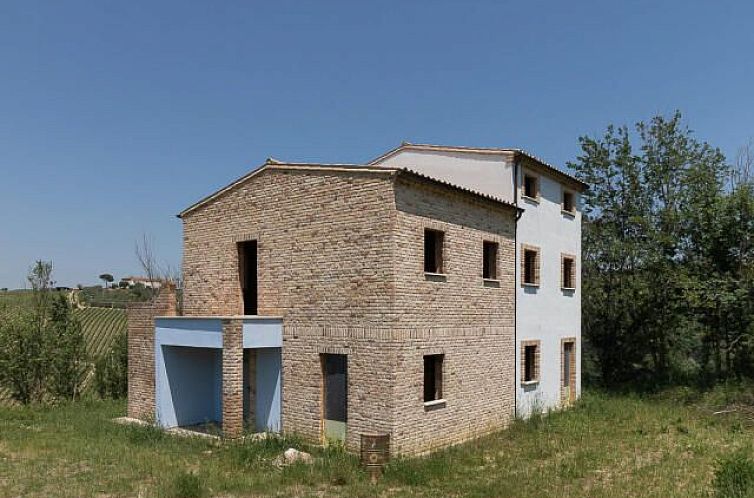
(263, 333)
(268, 390)
(188, 369)
(193, 384)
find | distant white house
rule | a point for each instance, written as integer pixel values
(153, 283)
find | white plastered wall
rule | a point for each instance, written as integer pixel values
(547, 313)
(490, 174)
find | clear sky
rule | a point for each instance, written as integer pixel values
(114, 116)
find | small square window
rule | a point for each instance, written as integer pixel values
(568, 267)
(433, 377)
(530, 263)
(433, 242)
(569, 202)
(530, 361)
(489, 265)
(531, 186)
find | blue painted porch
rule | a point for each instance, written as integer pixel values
(189, 371)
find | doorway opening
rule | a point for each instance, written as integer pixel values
(335, 396)
(568, 371)
(247, 267)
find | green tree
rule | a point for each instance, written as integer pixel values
(43, 351)
(66, 349)
(22, 359)
(107, 278)
(661, 301)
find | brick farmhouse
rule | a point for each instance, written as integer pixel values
(431, 295)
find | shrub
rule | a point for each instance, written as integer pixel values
(111, 370)
(22, 357)
(734, 477)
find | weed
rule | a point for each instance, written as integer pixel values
(187, 485)
(255, 452)
(734, 476)
(145, 435)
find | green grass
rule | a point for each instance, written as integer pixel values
(666, 445)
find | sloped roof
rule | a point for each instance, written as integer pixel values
(354, 168)
(480, 150)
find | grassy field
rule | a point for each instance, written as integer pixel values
(18, 297)
(665, 445)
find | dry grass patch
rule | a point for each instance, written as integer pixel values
(608, 445)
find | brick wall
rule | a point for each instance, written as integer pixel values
(371, 376)
(141, 372)
(324, 248)
(461, 298)
(459, 315)
(477, 387)
(341, 259)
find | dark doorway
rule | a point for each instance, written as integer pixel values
(247, 266)
(335, 413)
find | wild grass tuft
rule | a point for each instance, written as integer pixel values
(734, 476)
(255, 452)
(186, 485)
(146, 435)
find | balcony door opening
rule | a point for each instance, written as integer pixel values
(247, 267)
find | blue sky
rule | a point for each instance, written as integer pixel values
(114, 116)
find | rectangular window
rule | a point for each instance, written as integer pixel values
(489, 266)
(531, 186)
(433, 260)
(433, 377)
(568, 267)
(530, 361)
(569, 202)
(530, 266)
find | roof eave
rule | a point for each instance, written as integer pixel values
(582, 186)
(457, 188)
(275, 164)
(482, 150)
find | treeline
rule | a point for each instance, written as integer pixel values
(668, 257)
